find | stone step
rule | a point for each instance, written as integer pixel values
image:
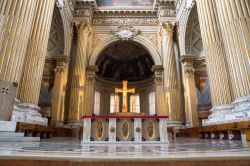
(19, 139)
(11, 134)
(7, 126)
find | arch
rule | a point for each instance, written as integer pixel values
(144, 42)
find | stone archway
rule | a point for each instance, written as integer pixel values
(105, 43)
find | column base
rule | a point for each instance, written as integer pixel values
(27, 113)
(239, 111)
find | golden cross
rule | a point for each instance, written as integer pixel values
(124, 90)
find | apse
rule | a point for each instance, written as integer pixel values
(125, 60)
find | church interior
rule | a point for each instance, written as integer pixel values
(114, 82)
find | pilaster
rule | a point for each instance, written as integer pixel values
(190, 90)
(170, 72)
(89, 94)
(61, 72)
(161, 108)
(78, 81)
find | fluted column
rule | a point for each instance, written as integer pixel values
(161, 108)
(89, 94)
(214, 53)
(170, 72)
(191, 112)
(61, 72)
(16, 17)
(79, 73)
(36, 52)
(234, 19)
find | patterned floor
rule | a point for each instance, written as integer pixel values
(62, 148)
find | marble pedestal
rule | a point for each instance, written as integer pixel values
(124, 129)
(27, 113)
(238, 111)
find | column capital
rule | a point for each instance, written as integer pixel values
(158, 69)
(167, 28)
(91, 70)
(83, 29)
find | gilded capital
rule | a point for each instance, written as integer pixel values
(167, 29)
(158, 69)
(83, 29)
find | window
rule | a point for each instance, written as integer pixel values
(114, 103)
(135, 103)
(152, 103)
(97, 103)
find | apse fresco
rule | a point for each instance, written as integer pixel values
(125, 2)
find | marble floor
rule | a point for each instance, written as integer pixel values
(71, 149)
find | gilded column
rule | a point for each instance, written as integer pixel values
(191, 112)
(161, 108)
(78, 81)
(36, 52)
(214, 54)
(61, 72)
(234, 19)
(170, 72)
(16, 17)
(89, 94)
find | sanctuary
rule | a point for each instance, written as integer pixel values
(146, 80)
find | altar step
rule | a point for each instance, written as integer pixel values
(8, 134)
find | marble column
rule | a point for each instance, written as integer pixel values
(234, 19)
(61, 72)
(89, 91)
(161, 108)
(217, 68)
(16, 17)
(170, 72)
(190, 91)
(78, 81)
(30, 84)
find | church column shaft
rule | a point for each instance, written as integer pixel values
(234, 19)
(16, 18)
(170, 73)
(36, 52)
(215, 53)
(79, 73)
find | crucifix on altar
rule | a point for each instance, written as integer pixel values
(124, 90)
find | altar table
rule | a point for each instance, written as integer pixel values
(125, 129)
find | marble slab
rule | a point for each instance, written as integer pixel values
(7, 98)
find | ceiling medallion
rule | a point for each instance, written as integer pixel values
(125, 32)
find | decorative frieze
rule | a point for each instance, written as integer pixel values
(122, 21)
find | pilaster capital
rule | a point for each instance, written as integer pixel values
(91, 70)
(61, 63)
(83, 29)
(188, 64)
(158, 70)
(167, 29)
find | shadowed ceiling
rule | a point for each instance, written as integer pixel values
(125, 60)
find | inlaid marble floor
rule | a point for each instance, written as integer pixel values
(71, 149)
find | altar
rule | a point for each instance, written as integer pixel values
(122, 125)
(124, 129)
